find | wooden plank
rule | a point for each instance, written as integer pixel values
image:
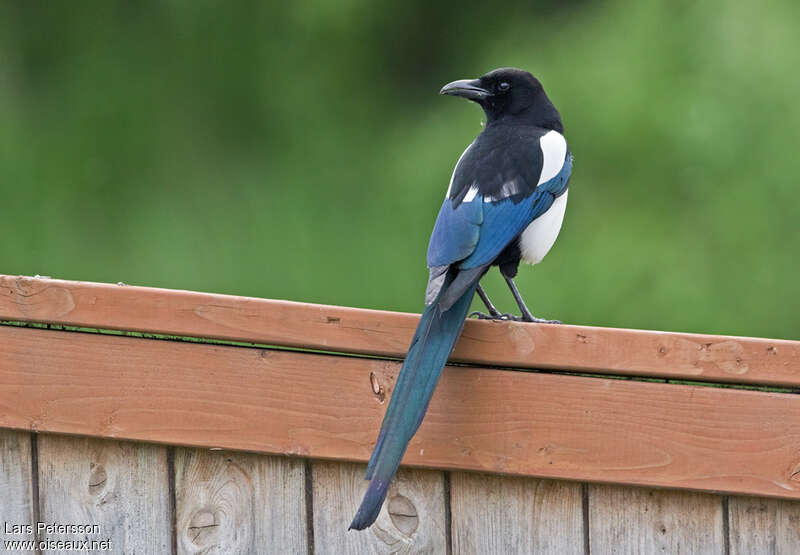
(639, 520)
(239, 503)
(543, 425)
(342, 329)
(121, 487)
(505, 514)
(16, 496)
(412, 519)
(760, 525)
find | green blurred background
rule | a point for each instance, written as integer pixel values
(299, 150)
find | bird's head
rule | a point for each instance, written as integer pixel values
(508, 92)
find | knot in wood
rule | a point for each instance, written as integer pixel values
(97, 478)
(403, 514)
(203, 527)
(794, 474)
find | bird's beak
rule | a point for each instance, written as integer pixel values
(468, 88)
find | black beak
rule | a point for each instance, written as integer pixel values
(468, 88)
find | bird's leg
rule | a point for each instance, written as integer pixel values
(494, 314)
(485, 298)
(526, 314)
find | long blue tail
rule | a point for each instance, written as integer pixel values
(431, 346)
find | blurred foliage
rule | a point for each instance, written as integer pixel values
(300, 150)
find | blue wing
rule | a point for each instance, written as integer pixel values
(471, 234)
(456, 233)
(504, 220)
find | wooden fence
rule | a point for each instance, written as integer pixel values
(182, 422)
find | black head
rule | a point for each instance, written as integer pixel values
(509, 92)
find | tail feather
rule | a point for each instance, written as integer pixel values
(403, 387)
(432, 344)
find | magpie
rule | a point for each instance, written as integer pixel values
(505, 204)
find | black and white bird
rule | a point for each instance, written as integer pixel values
(505, 204)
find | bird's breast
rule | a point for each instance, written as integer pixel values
(540, 235)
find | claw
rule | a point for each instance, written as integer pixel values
(543, 321)
(510, 317)
(480, 315)
(506, 317)
(498, 316)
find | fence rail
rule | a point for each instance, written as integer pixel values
(527, 431)
(670, 355)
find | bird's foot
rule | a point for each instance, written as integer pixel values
(541, 320)
(506, 316)
(528, 317)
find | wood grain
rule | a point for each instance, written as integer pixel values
(542, 425)
(412, 519)
(504, 514)
(239, 503)
(764, 526)
(352, 330)
(639, 520)
(16, 497)
(120, 486)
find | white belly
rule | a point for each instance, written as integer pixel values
(538, 238)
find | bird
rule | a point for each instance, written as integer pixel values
(505, 203)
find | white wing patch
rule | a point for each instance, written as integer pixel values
(538, 238)
(471, 194)
(509, 189)
(452, 177)
(554, 151)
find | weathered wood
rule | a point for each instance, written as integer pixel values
(239, 503)
(16, 497)
(764, 526)
(504, 514)
(412, 519)
(640, 520)
(330, 328)
(542, 425)
(120, 486)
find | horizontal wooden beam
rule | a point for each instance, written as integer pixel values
(327, 406)
(352, 330)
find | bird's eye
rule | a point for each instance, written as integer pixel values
(503, 86)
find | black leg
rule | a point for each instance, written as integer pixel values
(485, 298)
(526, 314)
(494, 314)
